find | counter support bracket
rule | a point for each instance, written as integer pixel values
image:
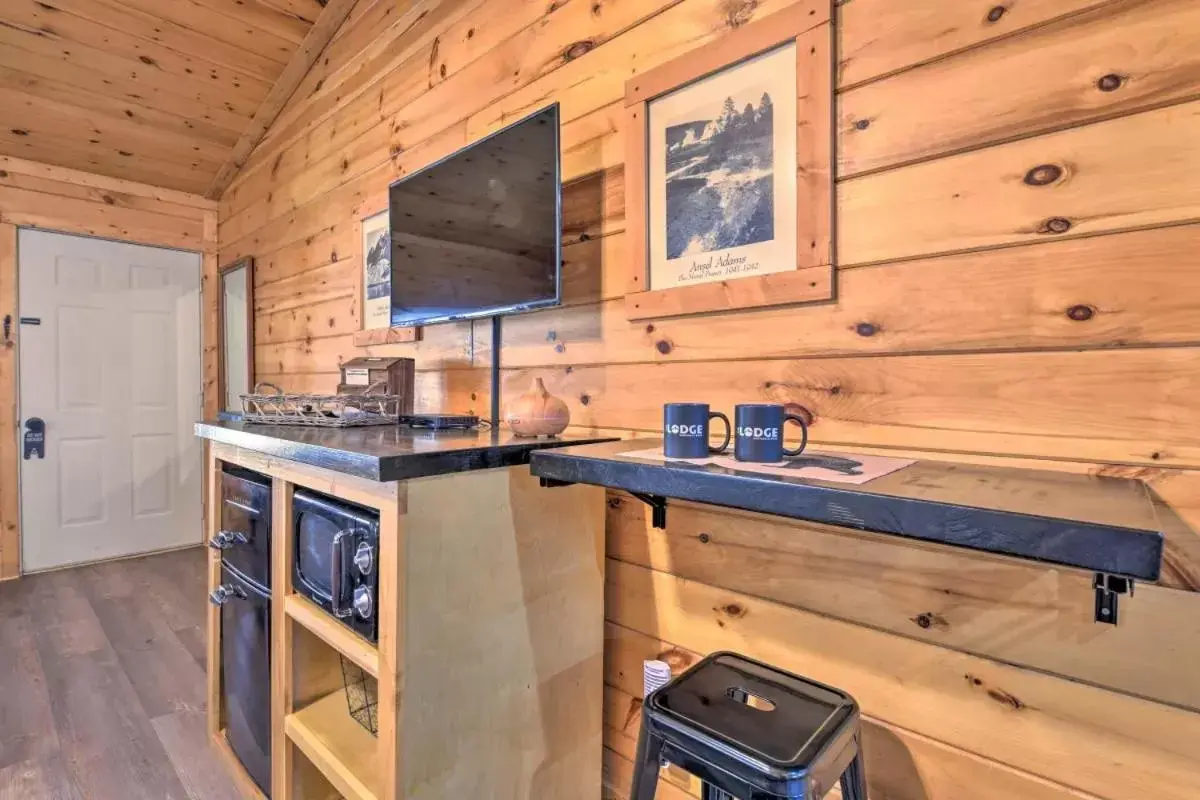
(1109, 589)
(658, 505)
(554, 483)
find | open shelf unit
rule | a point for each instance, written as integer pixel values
(302, 611)
(319, 751)
(344, 752)
(511, 576)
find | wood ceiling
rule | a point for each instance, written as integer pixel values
(173, 93)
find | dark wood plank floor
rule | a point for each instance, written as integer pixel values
(102, 684)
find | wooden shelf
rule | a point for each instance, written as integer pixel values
(345, 753)
(317, 621)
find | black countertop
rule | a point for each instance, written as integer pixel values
(385, 452)
(1110, 525)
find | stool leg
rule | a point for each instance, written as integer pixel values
(645, 769)
(854, 779)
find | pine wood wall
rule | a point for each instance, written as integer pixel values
(980, 317)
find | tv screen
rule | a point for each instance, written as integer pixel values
(479, 233)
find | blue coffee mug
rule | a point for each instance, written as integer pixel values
(759, 428)
(685, 430)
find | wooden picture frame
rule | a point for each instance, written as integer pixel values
(808, 26)
(383, 334)
(223, 360)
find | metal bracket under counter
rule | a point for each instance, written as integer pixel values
(1113, 528)
(1109, 589)
(658, 505)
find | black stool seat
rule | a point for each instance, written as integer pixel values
(751, 731)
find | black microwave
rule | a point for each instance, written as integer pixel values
(336, 559)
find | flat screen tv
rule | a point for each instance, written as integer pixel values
(479, 233)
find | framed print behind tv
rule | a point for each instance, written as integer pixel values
(729, 179)
(377, 272)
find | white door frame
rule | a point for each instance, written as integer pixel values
(18, 412)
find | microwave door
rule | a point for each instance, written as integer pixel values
(314, 534)
(324, 557)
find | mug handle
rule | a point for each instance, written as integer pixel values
(728, 431)
(803, 435)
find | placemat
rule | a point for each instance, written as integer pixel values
(823, 465)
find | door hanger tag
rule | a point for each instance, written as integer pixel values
(35, 438)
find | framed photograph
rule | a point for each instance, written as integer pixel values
(729, 184)
(377, 272)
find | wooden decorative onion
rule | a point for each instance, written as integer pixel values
(537, 413)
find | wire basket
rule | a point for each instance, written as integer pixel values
(362, 696)
(320, 410)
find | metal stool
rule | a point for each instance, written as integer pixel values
(751, 732)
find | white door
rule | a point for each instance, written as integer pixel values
(113, 369)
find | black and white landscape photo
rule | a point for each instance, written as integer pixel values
(377, 271)
(379, 265)
(720, 175)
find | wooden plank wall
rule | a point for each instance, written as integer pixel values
(1018, 213)
(39, 195)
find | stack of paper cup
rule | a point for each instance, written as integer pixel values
(655, 675)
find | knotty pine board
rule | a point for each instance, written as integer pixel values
(275, 37)
(29, 198)
(881, 37)
(1003, 609)
(1119, 174)
(170, 126)
(1042, 80)
(47, 121)
(103, 47)
(238, 54)
(106, 73)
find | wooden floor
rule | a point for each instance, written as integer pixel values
(102, 684)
